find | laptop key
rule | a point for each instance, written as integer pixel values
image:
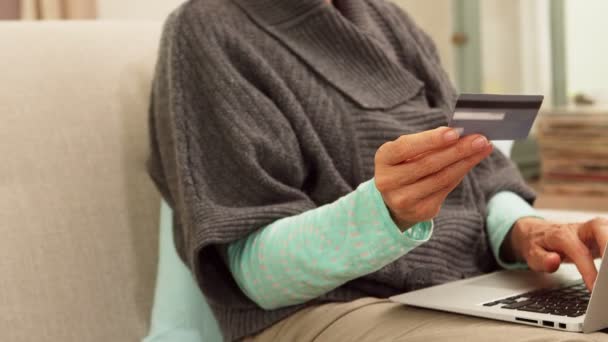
(517, 305)
(530, 308)
(533, 306)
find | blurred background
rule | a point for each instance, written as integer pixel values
(549, 47)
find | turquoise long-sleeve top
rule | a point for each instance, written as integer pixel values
(298, 258)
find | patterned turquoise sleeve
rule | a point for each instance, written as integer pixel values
(504, 209)
(298, 258)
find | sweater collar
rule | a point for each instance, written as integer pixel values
(276, 12)
(339, 44)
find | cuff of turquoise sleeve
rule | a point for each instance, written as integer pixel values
(413, 237)
(504, 210)
(420, 232)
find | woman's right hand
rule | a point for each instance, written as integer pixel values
(416, 172)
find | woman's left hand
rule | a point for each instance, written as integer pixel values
(543, 245)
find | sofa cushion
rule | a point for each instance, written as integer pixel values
(78, 213)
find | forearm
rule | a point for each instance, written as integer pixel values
(299, 258)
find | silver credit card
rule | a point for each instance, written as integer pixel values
(498, 117)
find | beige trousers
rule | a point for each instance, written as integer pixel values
(372, 319)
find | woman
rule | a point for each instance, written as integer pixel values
(298, 144)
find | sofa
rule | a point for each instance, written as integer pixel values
(78, 213)
(79, 217)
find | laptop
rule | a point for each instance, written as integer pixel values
(558, 301)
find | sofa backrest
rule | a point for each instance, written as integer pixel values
(78, 213)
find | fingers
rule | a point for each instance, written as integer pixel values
(422, 160)
(427, 208)
(438, 160)
(596, 231)
(409, 146)
(567, 241)
(541, 260)
(448, 177)
(422, 201)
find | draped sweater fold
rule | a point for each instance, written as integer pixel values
(263, 109)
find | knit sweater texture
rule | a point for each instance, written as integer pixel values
(264, 109)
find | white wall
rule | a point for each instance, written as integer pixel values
(535, 36)
(516, 47)
(435, 17)
(500, 46)
(587, 48)
(135, 9)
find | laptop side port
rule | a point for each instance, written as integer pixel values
(533, 321)
(562, 325)
(548, 324)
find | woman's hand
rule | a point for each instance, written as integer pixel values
(416, 172)
(544, 245)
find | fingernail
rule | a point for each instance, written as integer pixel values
(480, 143)
(450, 135)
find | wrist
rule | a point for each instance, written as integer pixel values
(507, 254)
(401, 224)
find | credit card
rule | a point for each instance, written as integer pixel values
(498, 117)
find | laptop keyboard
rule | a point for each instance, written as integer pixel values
(570, 301)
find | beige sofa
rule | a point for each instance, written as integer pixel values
(78, 214)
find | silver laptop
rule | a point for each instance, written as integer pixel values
(557, 301)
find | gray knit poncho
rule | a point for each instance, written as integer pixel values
(263, 109)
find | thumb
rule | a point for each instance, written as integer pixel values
(541, 260)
